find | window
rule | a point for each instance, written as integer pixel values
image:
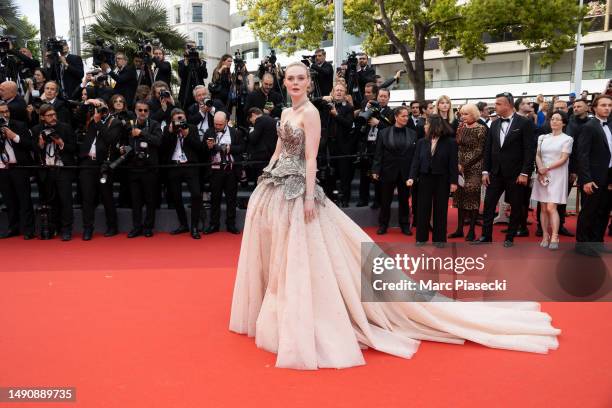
(177, 14)
(92, 6)
(200, 41)
(197, 13)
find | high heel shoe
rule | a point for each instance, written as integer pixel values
(554, 243)
(545, 241)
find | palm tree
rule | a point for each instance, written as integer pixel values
(125, 24)
(9, 18)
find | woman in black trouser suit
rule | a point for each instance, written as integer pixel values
(395, 147)
(435, 167)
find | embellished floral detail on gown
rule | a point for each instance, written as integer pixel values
(298, 286)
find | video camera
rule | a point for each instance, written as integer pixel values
(5, 43)
(97, 77)
(192, 53)
(351, 61)
(374, 111)
(271, 58)
(102, 54)
(145, 48)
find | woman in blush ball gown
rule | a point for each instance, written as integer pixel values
(298, 283)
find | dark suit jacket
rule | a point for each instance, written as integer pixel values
(151, 134)
(394, 155)
(517, 155)
(125, 83)
(593, 155)
(257, 99)
(66, 133)
(188, 83)
(106, 136)
(340, 130)
(574, 129)
(192, 146)
(236, 149)
(24, 149)
(73, 74)
(442, 162)
(262, 140)
(194, 116)
(325, 77)
(17, 107)
(164, 71)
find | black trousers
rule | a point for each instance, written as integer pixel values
(56, 192)
(387, 188)
(16, 190)
(514, 196)
(433, 193)
(223, 182)
(345, 172)
(143, 186)
(91, 191)
(594, 213)
(191, 176)
(365, 180)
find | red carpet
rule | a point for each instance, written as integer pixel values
(143, 323)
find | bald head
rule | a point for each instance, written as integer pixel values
(220, 121)
(8, 90)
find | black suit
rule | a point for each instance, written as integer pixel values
(395, 148)
(435, 174)
(262, 143)
(161, 72)
(504, 164)
(57, 180)
(125, 83)
(70, 76)
(143, 177)
(17, 106)
(106, 136)
(257, 99)
(224, 179)
(359, 81)
(15, 182)
(324, 78)
(189, 79)
(594, 153)
(343, 142)
(191, 147)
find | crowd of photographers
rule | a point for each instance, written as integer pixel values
(121, 123)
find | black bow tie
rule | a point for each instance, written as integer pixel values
(604, 123)
(505, 120)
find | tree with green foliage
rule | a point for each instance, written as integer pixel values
(125, 25)
(10, 20)
(26, 37)
(547, 26)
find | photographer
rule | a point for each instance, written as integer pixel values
(270, 66)
(65, 68)
(56, 147)
(192, 72)
(97, 79)
(34, 86)
(181, 146)
(261, 140)
(142, 77)
(98, 147)
(201, 113)
(161, 70)
(161, 103)
(145, 140)
(265, 98)
(124, 76)
(224, 148)
(15, 149)
(357, 75)
(342, 139)
(322, 73)
(221, 83)
(50, 97)
(15, 102)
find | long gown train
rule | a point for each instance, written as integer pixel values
(298, 288)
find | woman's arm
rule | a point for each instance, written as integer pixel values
(312, 130)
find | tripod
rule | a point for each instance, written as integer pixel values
(192, 65)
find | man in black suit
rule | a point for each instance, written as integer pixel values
(202, 111)
(261, 140)
(265, 98)
(416, 119)
(50, 96)
(395, 149)
(67, 71)
(595, 178)
(363, 75)
(145, 140)
(99, 146)
(125, 78)
(224, 147)
(142, 76)
(325, 73)
(16, 149)
(15, 102)
(181, 146)
(56, 146)
(160, 68)
(192, 72)
(508, 163)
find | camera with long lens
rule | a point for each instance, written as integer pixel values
(180, 124)
(36, 103)
(107, 167)
(103, 54)
(271, 59)
(351, 61)
(207, 102)
(164, 94)
(374, 111)
(309, 61)
(55, 45)
(322, 105)
(145, 48)
(193, 53)
(5, 43)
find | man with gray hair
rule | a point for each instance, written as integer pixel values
(15, 102)
(224, 148)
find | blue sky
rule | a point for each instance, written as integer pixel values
(62, 22)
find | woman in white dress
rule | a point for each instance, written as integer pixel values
(550, 189)
(298, 284)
